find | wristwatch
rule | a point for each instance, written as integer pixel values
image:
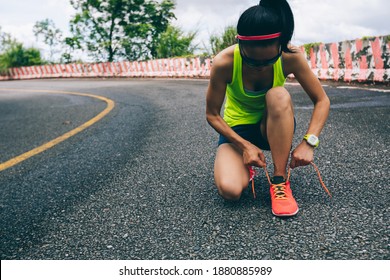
(312, 140)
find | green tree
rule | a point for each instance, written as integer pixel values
(228, 38)
(173, 42)
(6, 40)
(51, 36)
(13, 54)
(119, 29)
(17, 55)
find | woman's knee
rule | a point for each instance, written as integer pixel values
(230, 193)
(229, 190)
(278, 101)
(230, 175)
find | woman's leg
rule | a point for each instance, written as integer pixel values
(230, 174)
(278, 126)
(280, 130)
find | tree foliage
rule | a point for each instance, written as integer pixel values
(116, 29)
(51, 36)
(6, 40)
(14, 54)
(228, 38)
(173, 42)
(17, 55)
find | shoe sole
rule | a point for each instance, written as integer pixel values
(285, 215)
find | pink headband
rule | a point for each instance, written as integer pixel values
(259, 37)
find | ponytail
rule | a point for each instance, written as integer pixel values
(270, 16)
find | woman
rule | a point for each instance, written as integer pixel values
(258, 113)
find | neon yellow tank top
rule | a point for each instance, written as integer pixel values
(241, 107)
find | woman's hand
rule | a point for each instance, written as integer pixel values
(302, 155)
(253, 156)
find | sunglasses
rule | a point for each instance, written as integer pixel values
(256, 63)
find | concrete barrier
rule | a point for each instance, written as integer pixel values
(198, 67)
(361, 60)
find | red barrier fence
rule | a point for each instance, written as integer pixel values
(175, 67)
(357, 60)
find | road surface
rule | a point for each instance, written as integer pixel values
(138, 183)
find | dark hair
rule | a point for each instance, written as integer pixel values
(268, 17)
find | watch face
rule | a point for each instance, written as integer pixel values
(312, 140)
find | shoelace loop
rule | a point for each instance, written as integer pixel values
(280, 190)
(252, 174)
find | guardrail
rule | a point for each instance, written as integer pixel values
(362, 60)
(359, 60)
(174, 67)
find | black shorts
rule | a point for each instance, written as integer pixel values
(251, 133)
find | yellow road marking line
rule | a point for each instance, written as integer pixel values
(52, 143)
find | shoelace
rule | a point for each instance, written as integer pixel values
(280, 188)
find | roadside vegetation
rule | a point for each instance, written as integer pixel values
(101, 30)
(14, 54)
(110, 31)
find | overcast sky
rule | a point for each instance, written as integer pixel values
(315, 20)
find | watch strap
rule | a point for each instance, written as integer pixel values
(307, 136)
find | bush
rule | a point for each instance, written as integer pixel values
(16, 55)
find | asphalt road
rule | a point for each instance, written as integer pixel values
(138, 184)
